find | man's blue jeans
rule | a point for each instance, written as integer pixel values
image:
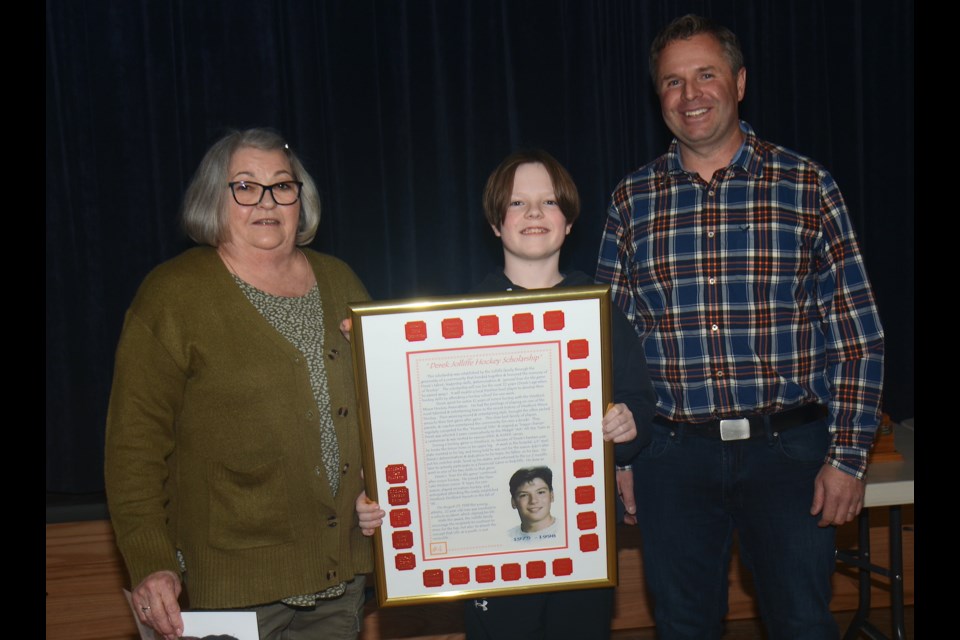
(693, 491)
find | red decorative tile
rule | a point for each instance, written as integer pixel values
(579, 378)
(398, 495)
(587, 520)
(488, 325)
(459, 575)
(553, 320)
(585, 495)
(523, 322)
(580, 440)
(452, 328)
(433, 578)
(562, 566)
(400, 518)
(396, 473)
(536, 569)
(578, 349)
(510, 572)
(582, 468)
(405, 561)
(589, 542)
(580, 409)
(415, 330)
(402, 539)
(486, 573)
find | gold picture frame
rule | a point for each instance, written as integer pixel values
(456, 394)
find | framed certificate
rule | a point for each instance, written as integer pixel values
(481, 430)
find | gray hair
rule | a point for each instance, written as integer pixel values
(205, 202)
(684, 28)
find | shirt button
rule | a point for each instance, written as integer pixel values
(710, 234)
(719, 373)
(714, 327)
(711, 193)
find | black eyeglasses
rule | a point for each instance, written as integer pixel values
(249, 194)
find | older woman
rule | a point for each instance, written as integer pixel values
(232, 449)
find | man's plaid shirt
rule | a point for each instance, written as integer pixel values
(749, 292)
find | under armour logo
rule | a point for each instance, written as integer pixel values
(480, 604)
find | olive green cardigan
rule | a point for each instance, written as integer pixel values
(213, 444)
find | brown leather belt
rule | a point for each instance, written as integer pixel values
(751, 426)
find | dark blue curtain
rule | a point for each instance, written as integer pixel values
(400, 111)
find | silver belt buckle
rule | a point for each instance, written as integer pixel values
(736, 429)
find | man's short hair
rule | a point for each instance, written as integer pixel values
(684, 28)
(496, 195)
(529, 474)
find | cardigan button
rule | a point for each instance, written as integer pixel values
(345, 468)
(333, 354)
(342, 412)
(331, 575)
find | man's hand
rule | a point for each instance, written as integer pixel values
(369, 514)
(156, 603)
(837, 496)
(625, 492)
(618, 424)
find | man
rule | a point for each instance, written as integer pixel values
(737, 264)
(531, 494)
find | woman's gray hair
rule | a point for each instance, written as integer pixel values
(205, 202)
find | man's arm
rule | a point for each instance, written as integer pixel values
(854, 345)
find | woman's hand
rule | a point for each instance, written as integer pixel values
(346, 326)
(156, 602)
(618, 424)
(369, 513)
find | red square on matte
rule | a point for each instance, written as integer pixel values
(405, 561)
(396, 473)
(402, 539)
(585, 495)
(580, 409)
(398, 495)
(415, 330)
(579, 379)
(580, 440)
(562, 566)
(400, 518)
(488, 325)
(510, 571)
(536, 569)
(523, 322)
(459, 575)
(582, 468)
(589, 542)
(587, 520)
(486, 573)
(452, 328)
(553, 320)
(433, 578)
(578, 349)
